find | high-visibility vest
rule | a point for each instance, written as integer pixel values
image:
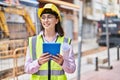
(57, 73)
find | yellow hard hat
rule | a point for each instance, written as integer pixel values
(49, 6)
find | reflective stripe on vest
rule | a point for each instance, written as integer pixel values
(34, 47)
(66, 40)
(53, 72)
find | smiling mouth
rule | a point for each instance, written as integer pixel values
(46, 25)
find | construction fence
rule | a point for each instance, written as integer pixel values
(12, 58)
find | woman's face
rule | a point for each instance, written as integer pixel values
(48, 21)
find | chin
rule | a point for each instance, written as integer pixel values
(47, 27)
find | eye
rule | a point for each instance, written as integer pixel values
(43, 17)
(50, 16)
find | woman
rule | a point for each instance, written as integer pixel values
(40, 64)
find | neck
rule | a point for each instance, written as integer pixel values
(49, 35)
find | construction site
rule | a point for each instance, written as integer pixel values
(19, 21)
(13, 40)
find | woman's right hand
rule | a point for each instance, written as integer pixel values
(45, 57)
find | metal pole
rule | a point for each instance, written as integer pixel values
(96, 63)
(118, 52)
(107, 40)
(36, 21)
(80, 28)
(107, 43)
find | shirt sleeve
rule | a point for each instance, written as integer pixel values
(69, 65)
(31, 66)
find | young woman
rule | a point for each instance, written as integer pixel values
(44, 66)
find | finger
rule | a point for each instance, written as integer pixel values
(42, 61)
(45, 60)
(55, 57)
(59, 61)
(59, 55)
(44, 54)
(45, 57)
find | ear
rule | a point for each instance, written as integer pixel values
(57, 21)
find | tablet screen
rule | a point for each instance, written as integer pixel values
(51, 48)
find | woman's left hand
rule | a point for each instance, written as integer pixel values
(58, 59)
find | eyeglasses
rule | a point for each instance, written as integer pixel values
(49, 17)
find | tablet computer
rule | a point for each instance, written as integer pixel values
(51, 48)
